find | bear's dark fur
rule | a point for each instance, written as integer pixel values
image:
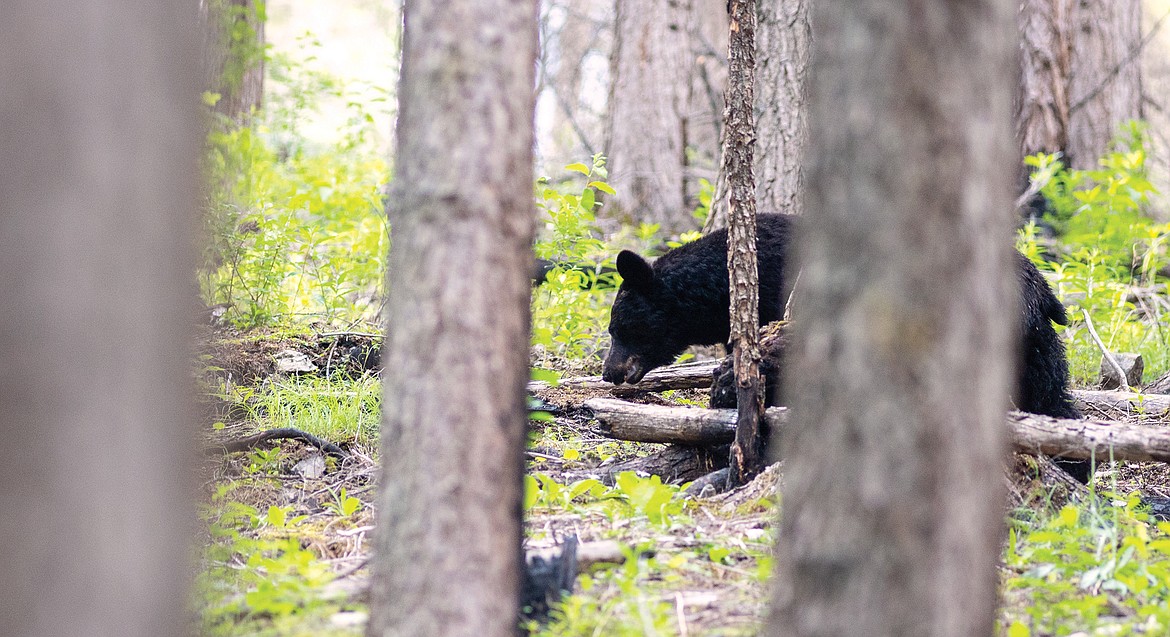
(682, 300)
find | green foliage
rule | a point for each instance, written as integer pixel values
(252, 581)
(615, 602)
(631, 496)
(332, 408)
(569, 309)
(1108, 245)
(343, 504)
(1103, 562)
(293, 233)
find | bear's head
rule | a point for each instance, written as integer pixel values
(643, 334)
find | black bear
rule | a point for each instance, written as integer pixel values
(683, 298)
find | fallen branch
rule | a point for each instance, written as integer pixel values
(1150, 404)
(286, 433)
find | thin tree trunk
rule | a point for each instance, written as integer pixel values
(447, 546)
(905, 257)
(650, 71)
(98, 181)
(747, 453)
(1105, 85)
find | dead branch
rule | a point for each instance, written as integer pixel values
(672, 425)
(286, 433)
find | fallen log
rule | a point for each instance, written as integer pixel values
(672, 425)
(692, 375)
(1124, 401)
(1029, 433)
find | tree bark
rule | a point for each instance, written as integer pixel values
(233, 55)
(905, 274)
(98, 183)
(1042, 103)
(747, 452)
(650, 71)
(1105, 86)
(783, 42)
(447, 547)
(783, 46)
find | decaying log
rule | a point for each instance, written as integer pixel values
(673, 425)
(692, 375)
(1030, 433)
(1132, 365)
(675, 464)
(1149, 404)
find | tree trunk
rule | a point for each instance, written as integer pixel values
(447, 547)
(704, 131)
(1042, 102)
(747, 453)
(1105, 87)
(783, 44)
(650, 71)
(906, 271)
(98, 183)
(233, 52)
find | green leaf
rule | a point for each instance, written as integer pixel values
(1018, 629)
(581, 168)
(603, 187)
(277, 516)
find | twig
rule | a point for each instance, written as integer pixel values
(327, 334)
(788, 303)
(1121, 379)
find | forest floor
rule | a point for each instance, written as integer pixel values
(683, 565)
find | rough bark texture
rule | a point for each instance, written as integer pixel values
(747, 453)
(1105, 87)
(650, 74)
(448, 541)
(901, 303)
(98, 179)
(783, 46)
(233, 57)
(783, 41)
(1042, 102)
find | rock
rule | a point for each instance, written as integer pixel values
(290, 361)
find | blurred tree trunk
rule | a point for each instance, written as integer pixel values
(1105, 82)
(98, 181)
(233, 55)
(447, 547)
(650, 71)
(905, 252)
(783, 44)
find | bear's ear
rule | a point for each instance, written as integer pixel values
(635, 271)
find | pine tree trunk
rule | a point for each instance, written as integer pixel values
(447, 547)
(1105, 86)
(905, 256)
(98, 183)
(650, 71)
